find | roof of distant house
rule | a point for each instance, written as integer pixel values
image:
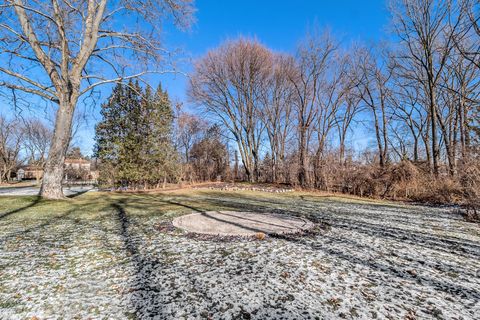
(31, 168)
(79, 161)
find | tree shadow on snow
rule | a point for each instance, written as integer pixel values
(11, 212)
(147, 296)
(145, 293)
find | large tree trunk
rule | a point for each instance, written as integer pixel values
(433, 116)
(385, 135)
(303, 165)
(53, 175)
(342, 148)
(415, 148)
(274, 155)
(435, 151)
(320, 181)
(273, 178)
(256, 169)
(235, 169)
(379, 139)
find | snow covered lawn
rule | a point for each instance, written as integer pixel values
(101, 256)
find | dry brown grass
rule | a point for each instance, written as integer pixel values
(409, 181)
(260, 236)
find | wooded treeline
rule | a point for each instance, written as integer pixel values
(292, 116)
(25, 142)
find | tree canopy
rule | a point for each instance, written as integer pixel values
(134, 138)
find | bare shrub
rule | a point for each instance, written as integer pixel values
(441, 191)
(363, 183)
(403, 180)
(470, 182)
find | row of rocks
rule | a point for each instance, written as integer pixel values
(243, 188)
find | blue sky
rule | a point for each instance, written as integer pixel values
(279, 25)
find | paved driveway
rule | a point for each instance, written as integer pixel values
(32, 191)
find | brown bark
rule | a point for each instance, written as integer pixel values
(54, 168)
(433, 127)
(302, 170)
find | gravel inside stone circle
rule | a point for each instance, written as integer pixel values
(238, 223)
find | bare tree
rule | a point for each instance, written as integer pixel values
(37, 139)
(467, 38)
(209, 156)
(10, 147)
(372, 79)
(458, 97)
(189, 130)
(330, 98)
(60, 50)
(427, 36)
(306, 74)
(276, 113)
(350, 107)
(228, 83)
(408, 110)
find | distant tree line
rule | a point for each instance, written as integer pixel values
(291, 116)
(25, 142)
(22, 141)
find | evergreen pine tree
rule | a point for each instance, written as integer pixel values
(134, 138)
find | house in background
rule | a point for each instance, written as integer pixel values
(77, 164)
(30, 172)
(75, 170)
(20, 175)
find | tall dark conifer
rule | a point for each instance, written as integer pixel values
(134, 139)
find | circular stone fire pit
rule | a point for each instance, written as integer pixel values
(230, 223)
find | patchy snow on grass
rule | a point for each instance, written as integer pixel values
(373, 261)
